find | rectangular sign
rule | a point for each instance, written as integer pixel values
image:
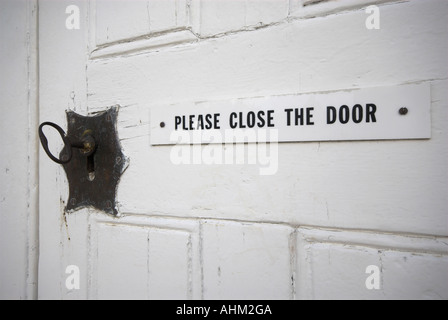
(383, 113)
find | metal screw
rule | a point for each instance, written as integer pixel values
(403, 111)
(162, 124)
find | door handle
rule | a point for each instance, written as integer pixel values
(86, 144)
(94, 171)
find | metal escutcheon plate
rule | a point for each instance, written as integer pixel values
(93, 179)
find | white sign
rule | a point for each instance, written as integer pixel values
(399, 112)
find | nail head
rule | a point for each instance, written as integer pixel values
(403, 111)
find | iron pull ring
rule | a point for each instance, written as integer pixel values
(44, 142)
(86, 145)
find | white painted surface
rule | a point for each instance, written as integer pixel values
(163, 254)
(18, 154)
(243, 260)
(62, 64)
(333, 264)
(224, 231)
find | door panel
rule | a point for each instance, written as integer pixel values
(140, 257)
(335, 264)
(243, 260)
(328, 183)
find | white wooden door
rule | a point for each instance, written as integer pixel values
(362, 219)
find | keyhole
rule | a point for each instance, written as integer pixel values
(91, 167)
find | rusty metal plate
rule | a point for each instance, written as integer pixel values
(93, 179)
